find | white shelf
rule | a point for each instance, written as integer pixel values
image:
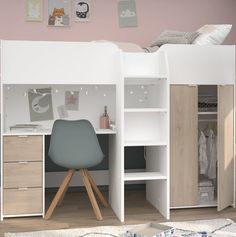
(207, 113)
(145, 143)
(146, 110)
(144, 176)
(143, 79)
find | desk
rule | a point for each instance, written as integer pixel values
(24, 176)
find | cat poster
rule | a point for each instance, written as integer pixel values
(59, 12)
(82, 10)
(34, 10)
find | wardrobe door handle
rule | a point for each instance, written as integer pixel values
(22, 189)
(23, 162)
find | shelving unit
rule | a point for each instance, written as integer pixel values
(146, 123)
(144, 176)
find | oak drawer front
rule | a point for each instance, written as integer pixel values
(23, 148)
(22, 201)
(23, 174)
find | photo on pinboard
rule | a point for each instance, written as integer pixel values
(40, 104)
(82, 10)
(72, 100)
(58, 13)
(127, 13)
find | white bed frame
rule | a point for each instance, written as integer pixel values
(34, 63)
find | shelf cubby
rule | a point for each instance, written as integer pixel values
(145, 128)
(145, 96)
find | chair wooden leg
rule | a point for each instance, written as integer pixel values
(64, 192)
(60, 193)
(96, 189)
(91, 196)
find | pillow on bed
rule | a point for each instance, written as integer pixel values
(212, 34)
(175, 37)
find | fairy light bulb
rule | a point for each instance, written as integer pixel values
(56, 90)
(140, 100)
(131, 92)
(142, 87)
(145, 92)
(104, 94)
(86, 92)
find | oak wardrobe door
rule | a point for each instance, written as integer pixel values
(225, 146)
(183, 145)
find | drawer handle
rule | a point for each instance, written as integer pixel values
(23, 162)
(22, 189)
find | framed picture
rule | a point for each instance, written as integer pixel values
(127, 13)
(82, 10)
(34, 10)
(58, 12)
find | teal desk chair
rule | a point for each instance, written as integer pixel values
(74, 145)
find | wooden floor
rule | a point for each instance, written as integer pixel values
(76, 212)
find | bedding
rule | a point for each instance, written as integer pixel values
(206, 35)
(175, 37)
(212, 34)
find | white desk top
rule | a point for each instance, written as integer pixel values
(49, 131)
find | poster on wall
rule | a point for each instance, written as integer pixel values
(58, 12)
(127, 13)
(72, 100)
(82, 10)
(34, 10)
(40, 104)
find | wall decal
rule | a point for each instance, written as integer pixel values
(82, 10)
(72, 100)
(40, 104)
(127, 13)
(58, 13)
(34, 10)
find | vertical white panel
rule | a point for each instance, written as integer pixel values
(116, 151)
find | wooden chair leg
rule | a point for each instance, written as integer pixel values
(64, 192)
(91, 196)
(59, 193)
(96, 190)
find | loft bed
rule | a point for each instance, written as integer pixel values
(38, 63)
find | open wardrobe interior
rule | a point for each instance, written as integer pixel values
(202, 157)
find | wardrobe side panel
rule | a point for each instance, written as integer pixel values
(184, 145)
(225, 146)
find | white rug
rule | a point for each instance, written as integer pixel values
(214, 228)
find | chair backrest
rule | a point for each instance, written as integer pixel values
(74, 144)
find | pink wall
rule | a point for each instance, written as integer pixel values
(154, 16)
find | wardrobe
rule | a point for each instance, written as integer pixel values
(186, 119)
